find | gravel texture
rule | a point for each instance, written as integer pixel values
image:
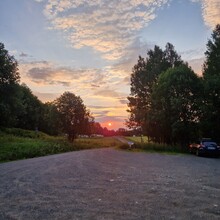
(111, 184)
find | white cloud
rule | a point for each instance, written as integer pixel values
(211, 12)
(109, 27)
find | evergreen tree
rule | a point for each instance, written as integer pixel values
(211, 74)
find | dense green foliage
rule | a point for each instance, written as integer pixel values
(9, 79)
(169, 102)
(175, 105)
(29, 109)
(74, 117)
(20, 108)
(144, 75)
(143, 144)
(211, 106)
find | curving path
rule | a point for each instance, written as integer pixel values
(110, 184)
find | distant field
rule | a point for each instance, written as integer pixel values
(18, 144)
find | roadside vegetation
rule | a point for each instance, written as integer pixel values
(169, 102)
(141, 143)
(16, 144)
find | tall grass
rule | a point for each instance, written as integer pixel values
(90, 143)
(18, 144)
(144, 145)
(138, 139)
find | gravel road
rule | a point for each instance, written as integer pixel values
(111, 184)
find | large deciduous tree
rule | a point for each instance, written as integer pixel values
(9, 79)
(175, 105)
(144, 76)
(74, 116)
(211, 76)
(8, 67)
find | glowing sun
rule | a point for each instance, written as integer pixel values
(109, 124)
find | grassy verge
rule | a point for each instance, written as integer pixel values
(18, 144)
(90, 143)
(144, 145)
(138, 139)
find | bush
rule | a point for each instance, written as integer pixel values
(23, 133)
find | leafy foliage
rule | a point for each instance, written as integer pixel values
(8, 68)
(9, 79)
(50, 122)
(20, 108)
(144, 76)
(74, 116)
(212, 64)
(169, 102)
(175, 105)
(29, 110)
(211, 107)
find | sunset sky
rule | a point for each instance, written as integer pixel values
(89, 47)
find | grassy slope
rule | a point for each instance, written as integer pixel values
(20, 144)
(154, 147)
(138, 139)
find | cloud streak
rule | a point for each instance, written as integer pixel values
(109, 27)
(44, 73)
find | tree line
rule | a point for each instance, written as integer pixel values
(20, 108)
(170, 103)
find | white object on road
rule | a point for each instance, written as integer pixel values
(130, 144)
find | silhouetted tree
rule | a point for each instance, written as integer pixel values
(211, 72)
(30, 109)
(9, 79)
(72, 114)
(176, 105)
(50, 122)
(144, 76)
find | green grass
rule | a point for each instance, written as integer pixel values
(138, 139)
(18, 144)
(90, 143)
(144, 145)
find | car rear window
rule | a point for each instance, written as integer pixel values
(209, 143)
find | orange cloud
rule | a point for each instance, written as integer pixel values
(211, 12)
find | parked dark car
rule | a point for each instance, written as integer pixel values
(206, 146)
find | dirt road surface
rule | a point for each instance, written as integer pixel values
(111, 184)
